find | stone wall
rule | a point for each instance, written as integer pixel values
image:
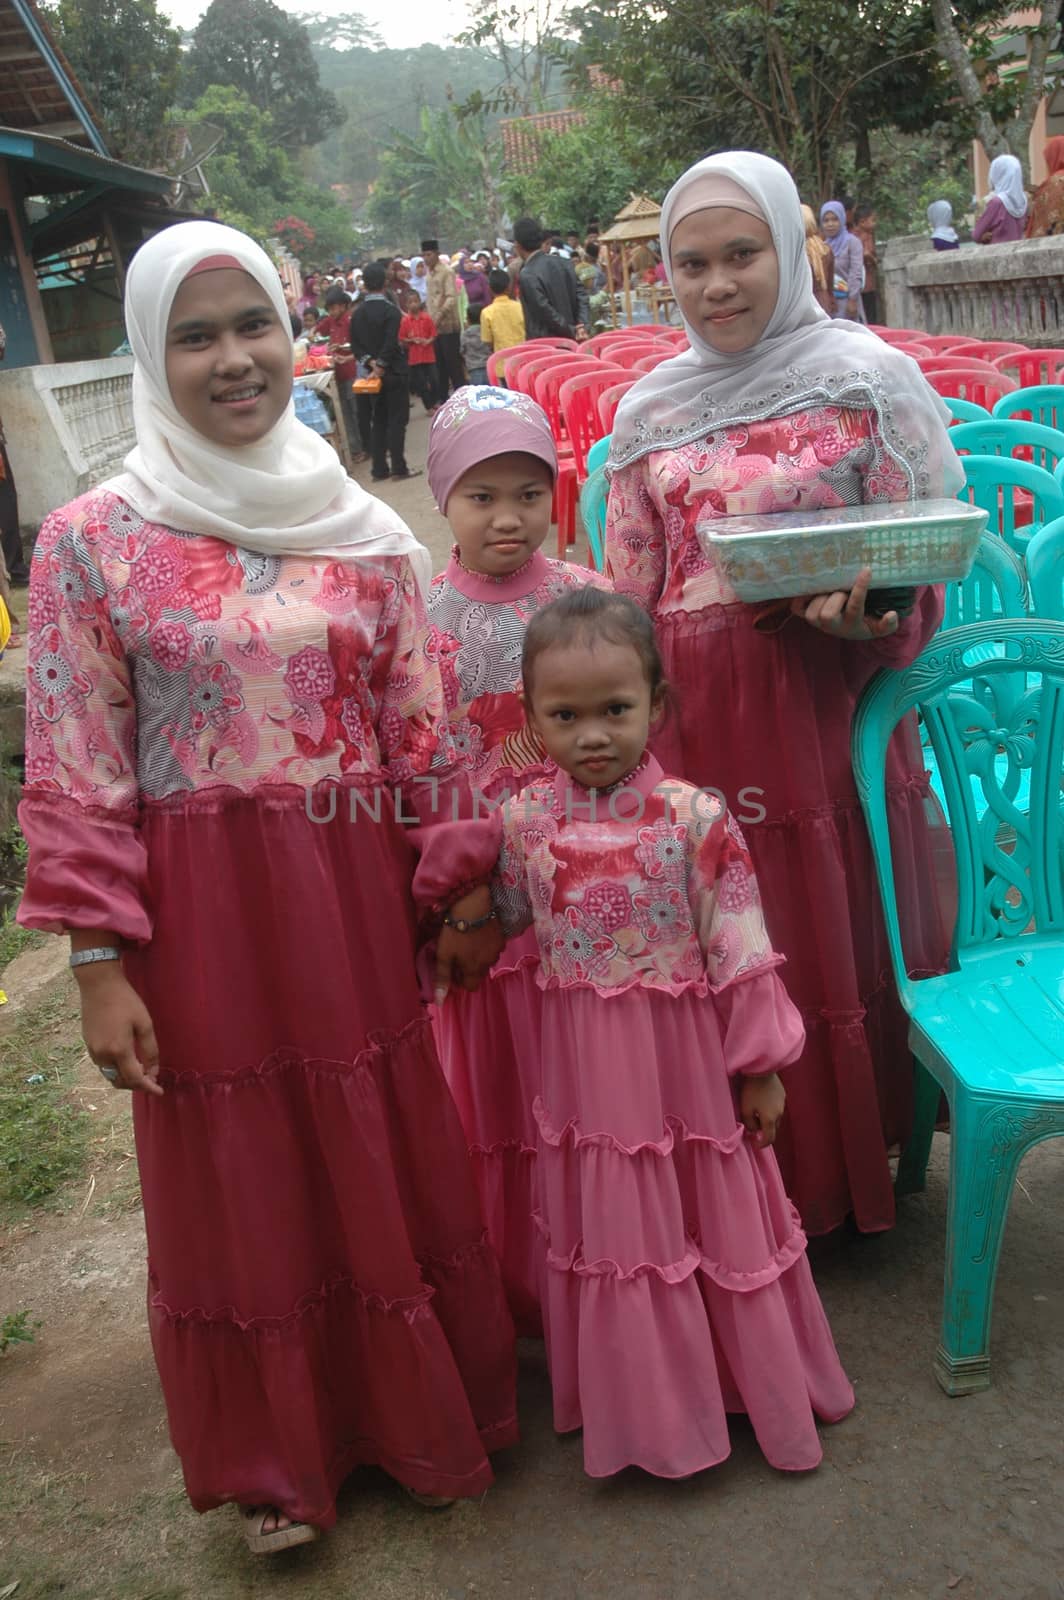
(67, 426)
(993, 291)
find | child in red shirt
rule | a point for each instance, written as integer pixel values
(417, 335)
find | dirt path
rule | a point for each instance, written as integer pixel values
(919, 1496)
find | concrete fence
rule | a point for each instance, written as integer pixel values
(994, 291)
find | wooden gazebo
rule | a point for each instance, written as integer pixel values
(637, 223)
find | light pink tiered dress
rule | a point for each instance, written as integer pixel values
(763, 706)
(320, 1290)
(676, 1286)
(489, 1041)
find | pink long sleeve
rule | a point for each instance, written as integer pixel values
(80, 813)
(763, 1028)
(635, 538)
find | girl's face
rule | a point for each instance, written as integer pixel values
(228, 359)
(591, 705)
(830, 224)
(726, 276)
(499, 512)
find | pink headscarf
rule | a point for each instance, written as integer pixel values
(479, 422)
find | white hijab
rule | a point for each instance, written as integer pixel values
(1006, 182)
(803, 359)
(287, 494)
(940, 216)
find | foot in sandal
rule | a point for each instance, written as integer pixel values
(431, 1502)
(268, 1530)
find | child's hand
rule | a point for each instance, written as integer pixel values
(761, 1102)
(843, 615)
(465, 959)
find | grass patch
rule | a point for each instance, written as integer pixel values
(14, 940)
(44, 1135)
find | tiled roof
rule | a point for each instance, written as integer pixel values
(38, 90)
(522, 137)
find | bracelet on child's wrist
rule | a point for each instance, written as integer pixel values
(465, 925)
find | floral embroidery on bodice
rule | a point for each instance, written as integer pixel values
(811, 460)
(164, 662)
(477, 634)
(661, 895)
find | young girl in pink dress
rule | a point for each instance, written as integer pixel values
(776, 407)
(229, 645)
(491, 466)
(676, 1286)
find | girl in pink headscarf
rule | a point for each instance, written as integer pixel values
(491, 466)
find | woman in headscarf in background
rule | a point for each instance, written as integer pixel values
(230, 667)
(1046, 214)
(777, 408)
(821, 262)
(474, 281)
(419, 277)
(943, 233)
(1005, 215)
(848, 252)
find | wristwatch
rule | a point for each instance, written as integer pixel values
(100, 952)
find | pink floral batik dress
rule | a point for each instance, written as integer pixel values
(676, 1285)
(489, 1041)
(321, 1293)
(763, 707)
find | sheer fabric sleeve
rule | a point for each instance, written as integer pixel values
(80, 812)
(635, 538)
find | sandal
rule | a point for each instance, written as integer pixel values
(263, 1543)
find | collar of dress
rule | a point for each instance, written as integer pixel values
(496, 591)
(642, 781)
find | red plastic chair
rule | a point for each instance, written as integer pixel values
(546, 386)
(987, 349)
(578, 398)
(533, 346)
(982, 388)
(610, 336)
(939, 343)
(952, 363)
(609, 400)
(915, 350)
(1031, 367)
(899, 335)
(648, 363)
(524, 378)
(628, 355)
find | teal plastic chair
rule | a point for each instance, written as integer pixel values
(1045, 571)
(1043, 402)
(1001, 436)
(990, 483)
(599, 451)
(593, 496)
(989, 1032)
(966, 410)
(995, 587)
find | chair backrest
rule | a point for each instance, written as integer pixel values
(578, 399)
(995, 587)
(990, 723)
(987, 349)
(546, 385)
(529, 372)
(611, 335)
(497, 361)
(519, 357)
(1043, 402)
(1031, 368)
(899, 335)
(593, 498)
(941, 342)
(951, 363)
(598, 453)
(992, 483)
(1007, 436)
(626, 354)
(648, 363)
(915, 350)
(965, 410)
(610, 400)
(1045, 571)
(972, 384)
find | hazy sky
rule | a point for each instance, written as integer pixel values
(414, 22)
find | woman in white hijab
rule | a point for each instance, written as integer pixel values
(776, 407)
(1005, 215)
(229, 650)
(419, 277)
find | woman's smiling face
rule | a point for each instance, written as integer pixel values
(228, 358)
(726, 276)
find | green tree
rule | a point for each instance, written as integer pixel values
(129, 59)
(255, 47)
(588, 171)
(442, 181)
(254, 184)
(974, 42)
